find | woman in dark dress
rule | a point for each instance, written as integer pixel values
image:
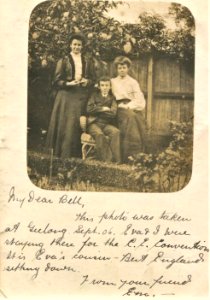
(73, 78)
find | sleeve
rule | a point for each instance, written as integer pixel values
(91, 73)
(138, 100)
(115, 89)
(92, 107)
(113, 109)
(59, 79)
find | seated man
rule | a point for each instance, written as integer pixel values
(101, 110)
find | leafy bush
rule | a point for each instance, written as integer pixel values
(170, 170)
(73, 171)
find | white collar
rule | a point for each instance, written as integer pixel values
(75, 55)
(123, 78)
(103, 95)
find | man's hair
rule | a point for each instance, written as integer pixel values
(104, 78)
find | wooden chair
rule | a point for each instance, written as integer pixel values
(88, 143)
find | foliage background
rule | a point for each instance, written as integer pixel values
(53, 22)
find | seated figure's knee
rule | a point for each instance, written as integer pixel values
(100, 138)
(116, 133)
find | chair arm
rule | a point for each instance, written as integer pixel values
(83, 123)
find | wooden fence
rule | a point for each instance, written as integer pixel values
(168, 87)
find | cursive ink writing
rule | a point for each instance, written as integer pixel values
(13, 241)
(15, 255)
(173, 217)
(143, 217)
(91, 257)
(132, 282)
(133, 292)
(86, 231)
(160, 280)
(38, 199)
(196, 246)
(46, 230)
(87, 243)
(128, 257)
(175, 232)
(83, 217)
(130, 230)
(133, 253)
(113, 216)
(181, 259)
(134, 243)
(50, 268)
(33, 198)
(97, 281)
(62, 243)
(30, 198)
(13, 228)
(42, 255)
(65, 199)
(14, 198)
(23, 267)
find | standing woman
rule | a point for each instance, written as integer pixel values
(73, 78)
(130, 115)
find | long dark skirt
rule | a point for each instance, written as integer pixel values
(132, 129)
(64, 130)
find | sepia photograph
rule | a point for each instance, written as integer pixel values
(110, 96)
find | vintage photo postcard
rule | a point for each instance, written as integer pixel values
(104, 149)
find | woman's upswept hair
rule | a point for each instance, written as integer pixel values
(77, 36)
(122, 60)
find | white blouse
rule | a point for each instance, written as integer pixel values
(128, 87)
(78, 65)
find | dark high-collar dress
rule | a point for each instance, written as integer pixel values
(70, 101)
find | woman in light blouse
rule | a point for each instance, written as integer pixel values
(73, 78)
(131, 103)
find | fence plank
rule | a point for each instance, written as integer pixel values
(186, 80)
(186, 110)
(161, 116)
(149, 93)
(167, 75)
(162, 81)
(170, 110)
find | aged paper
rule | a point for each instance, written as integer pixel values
(94, 244)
